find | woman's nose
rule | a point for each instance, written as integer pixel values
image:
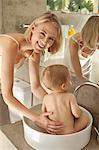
(44, 41)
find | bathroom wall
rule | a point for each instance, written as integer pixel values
(18, 12)
(14, 13)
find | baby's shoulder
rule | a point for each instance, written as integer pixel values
(47, 96)
(69, 95)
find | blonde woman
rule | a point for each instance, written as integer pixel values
(82, 44)
(43, 33)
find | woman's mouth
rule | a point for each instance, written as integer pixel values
(38, 47)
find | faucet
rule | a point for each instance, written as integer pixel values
(23, 25)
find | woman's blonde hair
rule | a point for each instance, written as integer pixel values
(54, 76)
(47, 17)
(90, 32)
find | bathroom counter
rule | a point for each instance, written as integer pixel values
(11, 138)
(14, 136)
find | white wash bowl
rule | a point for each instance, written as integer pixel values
(43, 141)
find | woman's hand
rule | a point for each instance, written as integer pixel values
(52, 127)
(83, 78)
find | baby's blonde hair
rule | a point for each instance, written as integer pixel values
(54, 76)
(90, 32)
(47, 17)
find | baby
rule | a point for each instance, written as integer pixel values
(63, 104)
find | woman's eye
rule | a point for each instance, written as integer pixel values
(51, 39)
(42, 34)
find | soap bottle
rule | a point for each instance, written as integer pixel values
(71, 31)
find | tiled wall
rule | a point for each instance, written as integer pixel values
(16, 12)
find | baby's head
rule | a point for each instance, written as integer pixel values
(56, 77)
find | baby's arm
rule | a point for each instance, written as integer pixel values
(76, 111)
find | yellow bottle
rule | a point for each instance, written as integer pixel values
(71, 31)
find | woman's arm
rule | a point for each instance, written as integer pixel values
(9, 53)
(73, 46)
(36, 87)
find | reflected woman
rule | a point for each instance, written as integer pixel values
(82, 45)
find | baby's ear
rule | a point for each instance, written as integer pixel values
(63, 86)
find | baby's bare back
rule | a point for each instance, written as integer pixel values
(59, 104)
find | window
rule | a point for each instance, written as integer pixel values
(84, 6)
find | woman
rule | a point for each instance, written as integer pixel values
(83, 43)
(43, 33)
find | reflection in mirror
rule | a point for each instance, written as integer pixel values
(85, 55)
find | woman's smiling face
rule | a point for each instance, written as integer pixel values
(43, 36)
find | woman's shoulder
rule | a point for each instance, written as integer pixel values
(69, 95)
(11, 38)
(18, 37)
